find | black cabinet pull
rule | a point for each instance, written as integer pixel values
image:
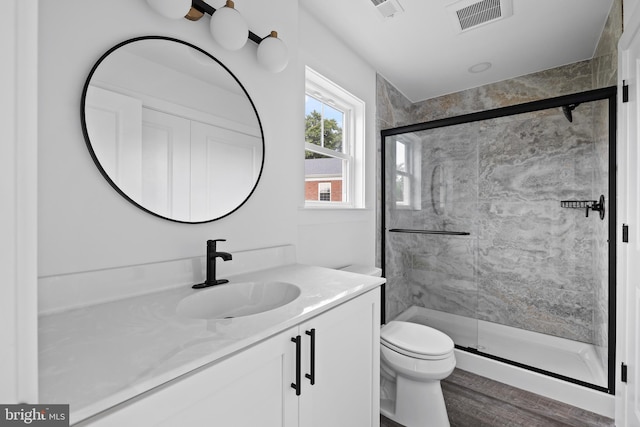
(311, 376)
(296, 385)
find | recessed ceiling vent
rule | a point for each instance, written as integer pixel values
(387, 8)
(469, 14)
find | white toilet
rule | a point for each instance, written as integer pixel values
(413, 360)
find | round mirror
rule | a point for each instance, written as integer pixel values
(172, 129)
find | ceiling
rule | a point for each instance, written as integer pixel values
(424, 54)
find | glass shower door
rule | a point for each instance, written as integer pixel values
(496, 231)
(543, 244)
(430, 248)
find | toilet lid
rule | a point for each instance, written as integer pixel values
(416, 338)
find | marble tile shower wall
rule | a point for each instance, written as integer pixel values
(535, 258)
(462, 271)
(527, 263)
(394, 109)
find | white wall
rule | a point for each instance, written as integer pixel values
(85, 225)
(338, 238)
(628, 7)
(18, 188)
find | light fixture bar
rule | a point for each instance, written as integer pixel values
(228, 28)
(204, 7)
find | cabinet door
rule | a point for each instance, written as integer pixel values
(346, 389)
(249, 389)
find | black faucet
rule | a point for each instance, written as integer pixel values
(212, 254)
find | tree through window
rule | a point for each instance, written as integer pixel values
(323, 126)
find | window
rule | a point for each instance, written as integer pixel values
(403, 177)
(324, 191)
(407, 173)
(334, 145)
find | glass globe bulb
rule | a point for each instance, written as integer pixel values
(172, 9)
(272, 53)
(229, 28)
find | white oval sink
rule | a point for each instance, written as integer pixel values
(237, 299)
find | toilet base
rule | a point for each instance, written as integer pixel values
(417, 404)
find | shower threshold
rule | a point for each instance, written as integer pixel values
(563, 357)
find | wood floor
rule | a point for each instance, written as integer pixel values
(474, 401)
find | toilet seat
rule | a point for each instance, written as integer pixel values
(415, 340)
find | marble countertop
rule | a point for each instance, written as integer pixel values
(98, 356)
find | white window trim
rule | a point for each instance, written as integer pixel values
(321, 88)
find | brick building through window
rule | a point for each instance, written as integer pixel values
(323, 180)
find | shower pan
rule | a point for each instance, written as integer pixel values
(498, 228)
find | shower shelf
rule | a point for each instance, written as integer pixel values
(441, 232)
(595, 205)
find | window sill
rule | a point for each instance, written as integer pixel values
(331, 207)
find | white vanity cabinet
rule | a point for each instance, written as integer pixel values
(245, 389)
(346, 358)
(255, 387)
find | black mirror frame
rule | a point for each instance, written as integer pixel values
(95, 158)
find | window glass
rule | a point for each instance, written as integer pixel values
(403, 179)
(324, 191)
(401, 190)
(323, 173)
(323, 125)
(401, 157)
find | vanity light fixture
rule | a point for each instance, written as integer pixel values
(228, 28)
(272, 53)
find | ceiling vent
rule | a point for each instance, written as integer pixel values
(387, 8)
(470, 14)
